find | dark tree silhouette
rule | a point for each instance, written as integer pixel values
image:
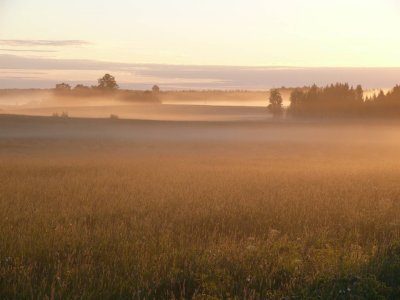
(275, 102)
(333, 100)
(155, 89)
(296, 98)
(81, 87)
(108, 82)
(359, 94)
(381, 96)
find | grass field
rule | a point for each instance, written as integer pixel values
(107, 209)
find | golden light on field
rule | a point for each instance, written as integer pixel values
(214, 149)
(167, 210)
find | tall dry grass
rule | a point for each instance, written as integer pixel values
(106, 219)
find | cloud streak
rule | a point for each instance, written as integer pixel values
(9, 61)
(47, 43)
(196, 77)
(27, 50)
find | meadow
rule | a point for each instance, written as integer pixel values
(119, 209)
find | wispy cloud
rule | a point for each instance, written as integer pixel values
(49, 43)
(17, 62)
(190, 77)
(27, 50)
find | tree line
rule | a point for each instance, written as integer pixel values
(107, 86)
(336, 100)
(105, 83)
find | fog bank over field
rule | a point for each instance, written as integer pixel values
(143, 105)
(347, 134)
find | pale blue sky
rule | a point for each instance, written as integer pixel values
(210, 32)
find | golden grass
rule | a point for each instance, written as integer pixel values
(152, 220)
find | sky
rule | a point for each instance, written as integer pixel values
(126, 36)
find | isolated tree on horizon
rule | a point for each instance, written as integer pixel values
(108, 82)
(155, 89)
(275, 102)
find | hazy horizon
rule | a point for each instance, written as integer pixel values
(37, 72)
(209, 45)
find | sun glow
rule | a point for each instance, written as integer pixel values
(259, 33)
